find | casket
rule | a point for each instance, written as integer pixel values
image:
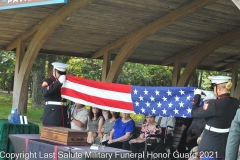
(65, 136)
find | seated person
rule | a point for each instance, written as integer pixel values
(105, 114)
(150, 127)
(79, 117)
(167, 124)
(95, 123)
(108, 124)
(121, 131)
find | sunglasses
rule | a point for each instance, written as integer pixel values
(94, 108)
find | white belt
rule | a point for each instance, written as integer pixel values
(218, 130)
(56, 103)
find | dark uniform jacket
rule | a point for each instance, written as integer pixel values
(218, 113)
(54, 115)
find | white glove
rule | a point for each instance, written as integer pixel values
(62, 79)
(209, 95)
(197, 91)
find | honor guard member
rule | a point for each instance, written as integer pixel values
(218, 114)
(55, 111)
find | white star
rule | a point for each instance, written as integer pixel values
(147, 104)
(181, 104)
(169, 93)
(164, 111)
(183, 116)
(152, 98)
(157, 92)
(136, 103)
(171, 116)
(176, 111)
(159, 105)
(182, 92)
(145, 92)
(135, 91)
(188, 97)
(141, 98)
(189, 110)
(143, 110)
(153, 111)
(164, 98)
(176, 98)
(170, 105)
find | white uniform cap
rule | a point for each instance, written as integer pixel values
(60, 66)
(219, 79)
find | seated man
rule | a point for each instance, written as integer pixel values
(79, 117)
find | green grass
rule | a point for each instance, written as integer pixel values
(5, 105)
(34, 114)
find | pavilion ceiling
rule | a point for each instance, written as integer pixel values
(102, 23)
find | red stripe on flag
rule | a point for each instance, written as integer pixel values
(97, 100)
(101, 85)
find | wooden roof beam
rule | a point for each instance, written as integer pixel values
(206, 49)
(180, 56)
(13, 44)
(157, 24)
(228, 67)
(135, 39)
(191, 51)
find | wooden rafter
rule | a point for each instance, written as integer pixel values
(176, 72)
(135, 39)
(204, 51)
(49, 25)
(157, 24)
(227, 67)
(180, 55)
(106, 65)
(12, 45)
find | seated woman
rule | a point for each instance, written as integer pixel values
(108, 124)
(95, 123)
(150, 127)
(121, 131)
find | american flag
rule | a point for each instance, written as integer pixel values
(156, 101)
(163, 101)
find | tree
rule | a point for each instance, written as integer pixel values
(38, 74)
(7, 65)
(132, 73)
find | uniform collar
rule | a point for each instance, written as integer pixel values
(52, 77)
(223, 95)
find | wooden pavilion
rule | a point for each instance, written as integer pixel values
(190, 34)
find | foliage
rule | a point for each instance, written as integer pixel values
(132, 73)
(7, 66)
(85, 68)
